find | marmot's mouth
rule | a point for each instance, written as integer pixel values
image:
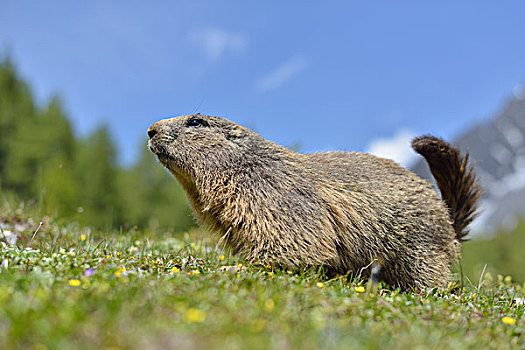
(161, 148)
(152, 147)
(159, 151)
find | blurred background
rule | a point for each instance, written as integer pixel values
(80, 82)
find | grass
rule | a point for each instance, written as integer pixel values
(74, 289)
(502, 253)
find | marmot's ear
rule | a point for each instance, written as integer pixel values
(234, 134)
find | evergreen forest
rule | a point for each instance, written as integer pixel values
(43, 164)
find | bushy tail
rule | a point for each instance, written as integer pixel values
(455, 178)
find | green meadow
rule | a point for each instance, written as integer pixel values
(71, 287)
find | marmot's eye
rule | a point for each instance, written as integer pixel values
(196, 122)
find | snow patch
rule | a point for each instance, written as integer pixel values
(511, 182)
(513, 136)
(500, 153)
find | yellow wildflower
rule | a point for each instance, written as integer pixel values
(175, 269)
(221, 257)
(268, 305)
(74, 283)
(359, 289)
(195, 316)
(508, 320)
(119, 272)
(258, 325)
(320, 284)
(195, 272)
(86, 284)
(83, 237)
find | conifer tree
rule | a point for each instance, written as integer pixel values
(97, 175)
(42, 161)
(16, 107)
(60, 187)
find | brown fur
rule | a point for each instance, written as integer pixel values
(341, 210)
(457, 182)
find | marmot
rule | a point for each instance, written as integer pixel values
(340, 210)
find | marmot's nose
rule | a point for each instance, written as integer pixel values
(152, 131)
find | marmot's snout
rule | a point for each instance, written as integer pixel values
(152, 132)
(160, 136)
(159, 128)
(162, 130)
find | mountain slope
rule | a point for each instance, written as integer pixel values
(497, 150)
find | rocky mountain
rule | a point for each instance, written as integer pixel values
(497, 149)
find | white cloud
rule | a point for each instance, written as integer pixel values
(396, 147)
(281, 74)
(217, 42)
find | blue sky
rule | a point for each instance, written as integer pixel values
(329, 75)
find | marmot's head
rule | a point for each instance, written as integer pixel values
(195, 143)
